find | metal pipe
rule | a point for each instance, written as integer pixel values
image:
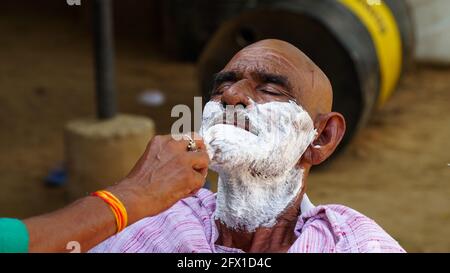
(104, 59)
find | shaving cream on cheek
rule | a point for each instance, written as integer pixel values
(258, 177)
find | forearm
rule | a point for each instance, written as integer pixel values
(164, 174)
(87, 221)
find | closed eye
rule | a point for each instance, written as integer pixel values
(221, 88)
(269, 92)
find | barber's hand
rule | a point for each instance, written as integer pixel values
(165, 173)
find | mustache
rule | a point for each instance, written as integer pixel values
(238, 118)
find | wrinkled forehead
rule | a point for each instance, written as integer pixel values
(263, 59)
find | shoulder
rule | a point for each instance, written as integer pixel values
(187, 220)
(347, 230)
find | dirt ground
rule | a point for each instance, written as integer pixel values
(395, 171)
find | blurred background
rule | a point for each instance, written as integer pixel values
(394, 165)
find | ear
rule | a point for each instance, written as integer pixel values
(330, 130)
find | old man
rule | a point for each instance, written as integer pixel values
(268, 122)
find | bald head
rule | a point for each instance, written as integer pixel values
(273, 70)
(306, 83)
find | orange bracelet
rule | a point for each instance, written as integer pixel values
(118, 209)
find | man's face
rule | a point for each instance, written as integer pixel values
(259, 91)
(256, 132)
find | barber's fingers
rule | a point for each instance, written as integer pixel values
(180, 142)
(199, 160)
(196, 138)
(198, 141)
(197, 182)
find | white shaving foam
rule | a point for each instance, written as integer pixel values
(258, 177)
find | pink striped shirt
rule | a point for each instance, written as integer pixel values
(189, 226)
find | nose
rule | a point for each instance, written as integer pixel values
(237, 94)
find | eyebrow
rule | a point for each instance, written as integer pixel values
(226, 76)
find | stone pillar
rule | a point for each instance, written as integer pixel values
(101, 152)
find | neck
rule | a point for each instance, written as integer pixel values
(258, 215)
(278, 238)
